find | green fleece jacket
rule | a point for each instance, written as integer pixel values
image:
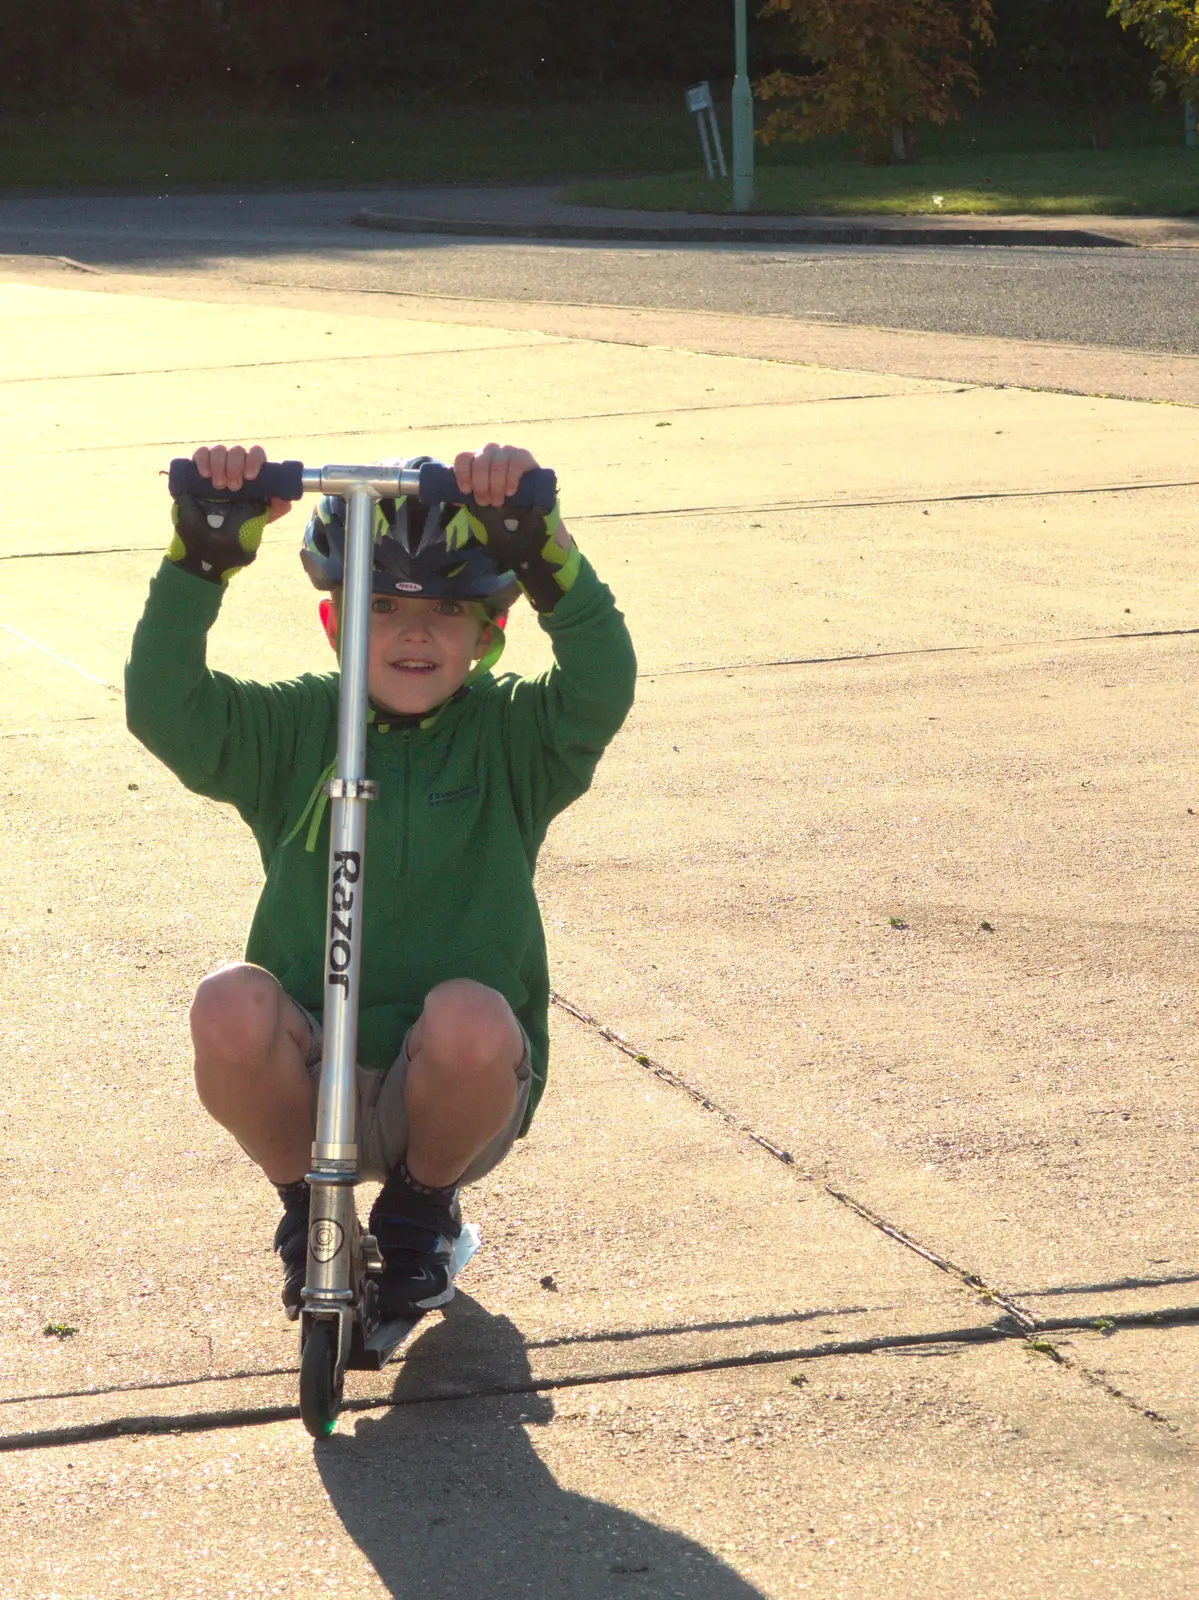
(451, 841)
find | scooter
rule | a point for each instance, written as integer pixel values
(340, 1325)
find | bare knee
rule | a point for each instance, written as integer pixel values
(469, 1029)
(235, 1018)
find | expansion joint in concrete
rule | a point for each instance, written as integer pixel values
(1040, 1345)
(667, 1075)
(1003, 1331)
(884, 501)
(1016, 1322)
(1020, 1317)
(971, 1280)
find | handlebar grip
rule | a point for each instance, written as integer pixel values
(538, 487)
(276, 480)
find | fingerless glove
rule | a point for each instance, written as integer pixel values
(214, 538)
(520, 540)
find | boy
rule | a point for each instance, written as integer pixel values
(453, 1014)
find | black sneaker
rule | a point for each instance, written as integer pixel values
(416, 1236)
(291, 1246)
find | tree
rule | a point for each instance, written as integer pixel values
(1171, 30)
(877, 68)
(1068, 55)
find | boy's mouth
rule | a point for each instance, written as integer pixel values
(412, 665)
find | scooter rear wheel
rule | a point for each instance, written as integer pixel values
(320, 1393)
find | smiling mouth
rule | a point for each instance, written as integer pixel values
(413, 666)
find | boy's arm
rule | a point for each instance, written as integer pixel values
(558, 724)
(561, 721)
(221, 737)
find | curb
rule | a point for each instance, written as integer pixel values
(707, 233)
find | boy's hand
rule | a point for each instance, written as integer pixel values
(214, 539)
(531, 543)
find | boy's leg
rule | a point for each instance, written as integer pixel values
(464, 1075)
(460, 1089)
(251, 1042)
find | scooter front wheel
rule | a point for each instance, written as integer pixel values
(320, 1393)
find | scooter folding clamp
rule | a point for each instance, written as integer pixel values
(352, 789)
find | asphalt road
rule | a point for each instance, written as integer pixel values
(1130, 298)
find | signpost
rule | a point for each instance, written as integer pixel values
(743, 117)
(699, 100)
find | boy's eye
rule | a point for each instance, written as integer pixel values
(449, 608)
(382, 603)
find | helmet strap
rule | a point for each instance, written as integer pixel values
(491, 654)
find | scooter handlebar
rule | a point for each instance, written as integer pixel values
(276, 480)
(284, 480)
(538, 487)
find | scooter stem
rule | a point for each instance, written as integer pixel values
(335, 1148)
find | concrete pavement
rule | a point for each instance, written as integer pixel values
(872, 1112)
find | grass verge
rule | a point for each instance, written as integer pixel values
(394, 141)
(1125, 182)
(382, 143)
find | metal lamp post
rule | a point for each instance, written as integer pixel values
(743, 117)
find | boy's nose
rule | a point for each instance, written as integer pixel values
(413, 617)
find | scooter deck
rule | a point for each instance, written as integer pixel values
(389, 1336)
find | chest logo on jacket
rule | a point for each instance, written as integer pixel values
(446, 797)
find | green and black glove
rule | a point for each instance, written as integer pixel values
(213, 538)
(520, 540)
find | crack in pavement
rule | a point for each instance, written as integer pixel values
(433, 425)
(251, 366)
(998, 1332)
(149, 1387)
(917, 650)
(890, 500)
(1015, 1324)
(971, 1280)
(614, 1336)
(1018, 1317)
(673, 1079)
(1047, 1348)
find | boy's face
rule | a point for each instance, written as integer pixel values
(420, 650)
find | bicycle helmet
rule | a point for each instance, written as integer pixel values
(426, 552)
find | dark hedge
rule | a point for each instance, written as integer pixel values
(63, 53)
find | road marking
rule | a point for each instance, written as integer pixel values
(54, 656)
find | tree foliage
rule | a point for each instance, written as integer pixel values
(71, 52)
(877, 67)
(1067, 54)
(1171, 30)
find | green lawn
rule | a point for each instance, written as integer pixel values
(386, 140)
(1125, 182)
(382, 143)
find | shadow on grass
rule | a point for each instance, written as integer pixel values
(451, 1499)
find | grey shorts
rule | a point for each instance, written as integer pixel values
(383, 1122)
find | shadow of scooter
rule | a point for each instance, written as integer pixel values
(449, 1498)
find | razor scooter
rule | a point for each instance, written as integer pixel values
(340, 1325)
